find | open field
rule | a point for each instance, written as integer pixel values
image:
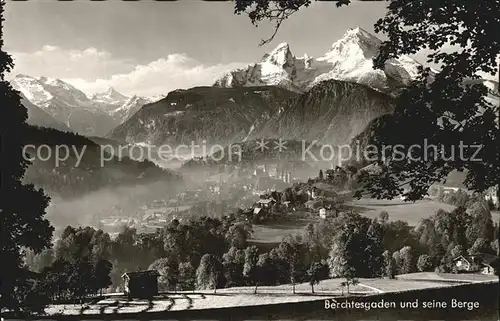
(398, 209)
(242, 297)
(404, 211)
(412, 213)
(447, 277)
(274, 233)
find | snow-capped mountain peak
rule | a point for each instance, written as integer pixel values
(67, 104)
(43, 91)
(280, 56)
(355, 42)
(348, 59)
(110, 96)
(31, 88)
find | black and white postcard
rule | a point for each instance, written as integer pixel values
(250, 160)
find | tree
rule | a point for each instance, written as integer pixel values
(321, 177)
(80, 278)
(317, 272)
(83, 241)
(398, 234)
(101, 274)
(250, 267)
(440, 194)
(407, 260)
(187, 276)
(389, 265)
(428, 237)
(293, 251)
(452, 226)
(424, 263)
(233, 262)
(55, 280)
(481, 245)
(209, 272)
(265, 271)
(356, 247)
(237, 235)
(281, 266)
(396, 256)
(457, 250)
(349, 282)
(168, 268)
(22, 206)
(453, 105)
(383, 217)
(312, 239)
(37, 262)
(491, 204)
(494, 246)
(374, 248)
(481, 225)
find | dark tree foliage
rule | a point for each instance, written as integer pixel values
(22, 207)
(448, 108)
(317, 272)
(209, 272)
(356, 249)
(233, 262)
(81, 265)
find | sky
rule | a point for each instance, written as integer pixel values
(150, 48)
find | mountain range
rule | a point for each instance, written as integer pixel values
(349, 59)
(67, 105)
(214, 115)
(38, 117)
(330, 99)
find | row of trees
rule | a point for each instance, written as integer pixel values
(461, 198)
(349, 246)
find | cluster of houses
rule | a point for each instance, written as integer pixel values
(114, 223)
(153, 218)
(321, 202)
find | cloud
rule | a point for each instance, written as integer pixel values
(176, 71)
(92, 70)
(55, 62)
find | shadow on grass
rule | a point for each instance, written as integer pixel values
(284, 294)
(190, 301)
(150, 307)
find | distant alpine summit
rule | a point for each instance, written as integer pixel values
(349, 59)
(111, 96)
